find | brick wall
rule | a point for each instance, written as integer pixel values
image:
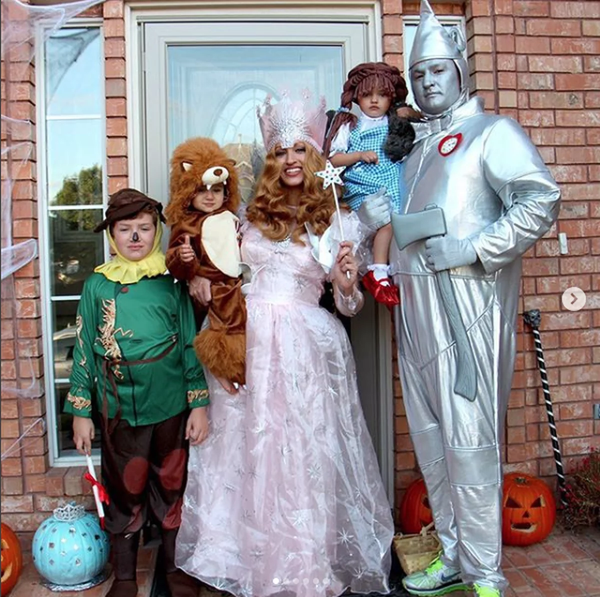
(538, 62)
(555, 98)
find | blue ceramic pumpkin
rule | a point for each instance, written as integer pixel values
(70, 548)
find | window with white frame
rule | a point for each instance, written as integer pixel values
(71, 150)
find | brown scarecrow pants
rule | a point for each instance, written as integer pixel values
(144, 471)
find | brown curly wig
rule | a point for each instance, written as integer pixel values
(362, 80)
(269, 210)
(200, 154)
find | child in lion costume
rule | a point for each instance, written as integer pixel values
(204, 197)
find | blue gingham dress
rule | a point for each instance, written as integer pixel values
(363, 179)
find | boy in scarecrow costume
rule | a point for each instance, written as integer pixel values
(134, 353)
(205, 243)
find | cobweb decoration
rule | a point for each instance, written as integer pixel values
(23, 26)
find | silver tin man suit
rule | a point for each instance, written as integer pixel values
(496, 191)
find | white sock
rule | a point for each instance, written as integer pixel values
(380, 270)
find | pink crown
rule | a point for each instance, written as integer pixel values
(289, 121)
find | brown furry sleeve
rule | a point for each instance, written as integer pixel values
(178, 268)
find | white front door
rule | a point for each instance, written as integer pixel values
(207, 78)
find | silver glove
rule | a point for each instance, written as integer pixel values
(445, 252)
(375, 210)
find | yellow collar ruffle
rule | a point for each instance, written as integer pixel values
(122, 270)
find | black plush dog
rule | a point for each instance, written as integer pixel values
(401, 136)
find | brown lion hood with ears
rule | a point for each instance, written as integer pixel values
(198, 154)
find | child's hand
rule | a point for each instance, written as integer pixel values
(369, 157)
(186, 252)
(83, 434)
(196, 429)
(345, 270)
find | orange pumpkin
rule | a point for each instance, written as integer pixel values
(415, 511)
(12, 559)
(528, 510)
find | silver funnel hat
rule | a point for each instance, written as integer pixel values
(434, 42)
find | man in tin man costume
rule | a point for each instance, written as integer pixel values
(458, 268)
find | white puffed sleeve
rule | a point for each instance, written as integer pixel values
(341, 140)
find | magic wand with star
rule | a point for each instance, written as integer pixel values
(331, 177)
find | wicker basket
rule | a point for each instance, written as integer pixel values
(416, 552)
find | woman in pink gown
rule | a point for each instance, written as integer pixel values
(285, 497)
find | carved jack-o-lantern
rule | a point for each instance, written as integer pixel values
(529, 510)
(415, 511)
(12, 559)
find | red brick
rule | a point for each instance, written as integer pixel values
(590, 28)
(575, 410)
(580, 192)
(116, 106)
(515, 435)
(393, 43)
(582, 337)
(577, 82)
(591, 63)
(35, 484)
(115, 88)
(540, 267)
(564, 357)
(544, 100)
(114, 28)
(113, 9)
(575, 46)
(21, 503)
(553, 28)
(543, 303)
(11, 467)
(73, 481)
(32, 408)
(116, 127)
(479, 26)
(575, 10)
(116, 183)
(505, 25)
(8, 350)
(574, 210)
(591, 99)
(506, 62)
(24, 522)
(117, 167)
(35, 464)
(572, 446)
(567, 321)
(569, 173)
(531, 8)
(404, 461)
(27, 288)
(555, 64)
(114, 68)
(116, 147)
(54, 481)
(536, 118)
(580, 265)
(114, 48)
(392, 25)
(587, 228)
(532, 45)
(12, 486)
(9, 370)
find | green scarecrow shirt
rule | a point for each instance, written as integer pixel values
(134, 346)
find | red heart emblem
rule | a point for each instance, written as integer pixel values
(449, 144)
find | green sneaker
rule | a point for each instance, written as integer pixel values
(483, 591)
(436, 579)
